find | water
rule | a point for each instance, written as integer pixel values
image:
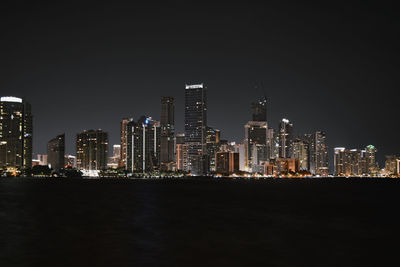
(314, 222)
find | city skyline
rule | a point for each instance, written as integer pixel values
(321, 75)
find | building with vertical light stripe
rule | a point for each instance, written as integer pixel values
(143, 145)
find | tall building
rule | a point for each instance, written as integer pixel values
(115, 159)
(212, 145)
(55, 152)
(124, 142)
(167, 132)
(15, 133)
(91, 150)
(195, 127)
(352, 162)
(259, 110)
(143, 150)
(299, 150)
(392, 165)
(227, 162)
(181, 153)
(285, 138)
(321, 164)
(255, 141)
(339, 161)
(372, 165)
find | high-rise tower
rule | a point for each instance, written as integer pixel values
(92, 150)
(167, 132)
(56, 151)
(259, 110)
(285, 138)
(15, 133)
(195, 127)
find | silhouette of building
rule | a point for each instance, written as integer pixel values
(227, 163)
(260, 110)
(55, 152)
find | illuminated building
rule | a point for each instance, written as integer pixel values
(286, 165)
(212, 145)
(260, 110)
(115, 159)
(318, 153)
(285, 138)
(299, 150)
(42, 159)
(15, 133)
(91, 150)
(392, 165)
(55, 152)
(195, 127)
(227, 162)
(124, 142)
(167, 132)
(70, 161)
(255, 141)
(339, 161)
(371, 163)
(181, 153)
(143, 153)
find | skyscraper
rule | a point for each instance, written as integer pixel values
(92, 150)
(339, 161)
(124, 142)
(212, 145)
(369, 155)
(167, 132)
(55, 152)
(15, 133)
(321, 154)
(285, 138)
(299, 150)
(181, 153)
(255, 141)
(143, 145)
(195, 127)
(259, 110)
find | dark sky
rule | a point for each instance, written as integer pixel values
(324, 67)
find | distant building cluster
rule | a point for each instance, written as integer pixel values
(150, 146)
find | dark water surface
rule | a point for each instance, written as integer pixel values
(325, 222)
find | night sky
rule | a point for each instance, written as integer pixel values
(85, 66)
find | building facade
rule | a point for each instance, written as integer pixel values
(167, 124)
(15, 133)
(92, 150)
(255, 141)
(195, 127)
(56, 152)
(143, 150)
(124, 142)
(259, 110)
(285, 138)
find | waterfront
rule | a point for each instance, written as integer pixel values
(194, 222)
